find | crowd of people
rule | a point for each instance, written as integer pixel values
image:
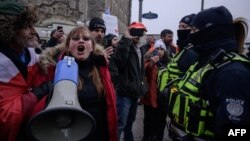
(201, 84)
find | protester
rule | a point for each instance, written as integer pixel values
(19, 70)
(96, 93)
(150, 43)
(112, 40)
(167, 38)
(34, 41)
(56, 37)
(157, 59)
(97, 28)
(213, 97)
(129, 58)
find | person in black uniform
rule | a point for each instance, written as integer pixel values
(227, 87)
(188, 56)
(216, 88)
(176, 69)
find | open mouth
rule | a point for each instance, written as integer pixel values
(81, 48)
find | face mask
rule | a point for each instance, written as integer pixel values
(211, 34)
(199, 38)
(183, 34)
(183, 38)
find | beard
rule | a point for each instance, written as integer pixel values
(99, 40)
(136, 40)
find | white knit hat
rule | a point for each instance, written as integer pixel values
(159, 44)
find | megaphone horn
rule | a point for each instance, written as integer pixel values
(63, 119)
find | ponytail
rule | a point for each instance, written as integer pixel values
(241, 31)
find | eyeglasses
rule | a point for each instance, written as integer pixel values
(77, 38)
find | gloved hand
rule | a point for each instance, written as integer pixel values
(43, 90)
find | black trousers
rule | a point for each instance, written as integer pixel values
(154, 123)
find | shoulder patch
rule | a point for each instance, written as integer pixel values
(234, 108)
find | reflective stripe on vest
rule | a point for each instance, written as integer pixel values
(171, 72)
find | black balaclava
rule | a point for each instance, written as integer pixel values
(214, 24)
(183, 34)
(183, 38)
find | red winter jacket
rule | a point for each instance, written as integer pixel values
(16, 100)
(150, 99)
(110, 94)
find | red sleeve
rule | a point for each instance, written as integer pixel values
(111, 103)
(39, 106)
(41, 77)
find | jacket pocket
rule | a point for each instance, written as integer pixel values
(144, 88)
(131, 88)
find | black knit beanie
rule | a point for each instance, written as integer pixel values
(108, 39)
(188, 19)
(110, 36)
(212, 16)
(97, 23)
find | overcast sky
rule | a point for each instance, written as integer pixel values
(171, 11)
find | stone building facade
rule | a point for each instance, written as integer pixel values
(68, 13)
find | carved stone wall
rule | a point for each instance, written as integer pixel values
(68, 12)
(58, 11)
(119, 8)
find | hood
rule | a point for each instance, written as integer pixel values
(50, 56)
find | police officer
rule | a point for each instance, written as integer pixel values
(183, 59)
(214, 94)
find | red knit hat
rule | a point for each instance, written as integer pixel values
(137, 25)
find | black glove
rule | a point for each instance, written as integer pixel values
(43, 90)
(163, 99)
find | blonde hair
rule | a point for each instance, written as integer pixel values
(241, 31)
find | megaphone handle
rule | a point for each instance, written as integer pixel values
(49, 97)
